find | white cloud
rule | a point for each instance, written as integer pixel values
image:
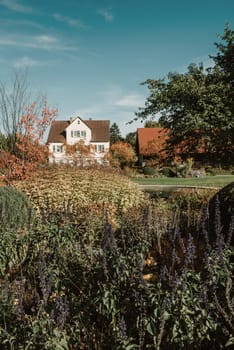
(115, 105)
(69, 21)
(25, 62)
(121, 117)
(106, 13)
(46, 39)
(131, 101)
(41, 42)
(14, 5)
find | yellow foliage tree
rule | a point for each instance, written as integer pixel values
(122, 154)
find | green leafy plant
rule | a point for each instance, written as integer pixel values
(15, 209)
(143, 284)
(149, 171)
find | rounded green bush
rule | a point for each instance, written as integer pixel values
(148, 170)
(15, 209)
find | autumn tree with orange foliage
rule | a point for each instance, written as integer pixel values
(30, 152)
(122, 154)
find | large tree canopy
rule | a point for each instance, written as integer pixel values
(224, 59)
(195, 106)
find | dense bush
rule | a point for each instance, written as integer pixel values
(78, 192)
(146, 283)
(15, 208)
(147, 170)
(168, 172)
(92, 287)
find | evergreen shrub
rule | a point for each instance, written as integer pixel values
(147, 170)
(15, 208)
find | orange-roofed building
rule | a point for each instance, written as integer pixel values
(151, 142)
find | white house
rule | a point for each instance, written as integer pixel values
(95, 133)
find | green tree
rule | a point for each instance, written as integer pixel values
(131, 139)
(152, 124)
(195, 106)
(224, 59)
(224, 62)
(115, 134)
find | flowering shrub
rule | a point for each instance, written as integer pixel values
(75, 192)
(90, 286)
(70, 288)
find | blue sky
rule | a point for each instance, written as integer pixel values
(90, 56)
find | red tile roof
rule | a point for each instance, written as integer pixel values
(100, 130)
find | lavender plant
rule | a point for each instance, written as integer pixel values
(92, 286)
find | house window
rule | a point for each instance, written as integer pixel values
(99, 148)
(83, 134)
(57, 148)
(75, 133)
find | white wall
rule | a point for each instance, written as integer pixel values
(55, 156)
(105, 144)
(78, 125)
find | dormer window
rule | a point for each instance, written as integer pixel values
(75, 133)
(78, 133)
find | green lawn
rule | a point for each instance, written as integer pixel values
(207, 181)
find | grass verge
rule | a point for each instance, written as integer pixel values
(206, 181)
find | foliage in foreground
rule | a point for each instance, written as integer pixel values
(75, 192)
(86, 287)
(15, 209)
